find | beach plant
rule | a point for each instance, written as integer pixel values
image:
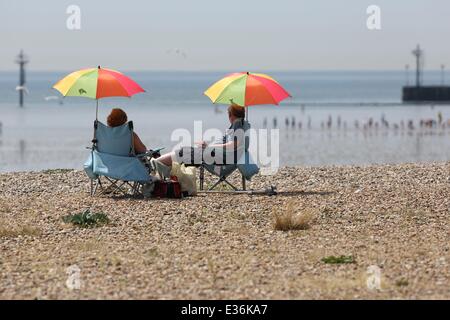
(12, 232)
(401, 282)
(87, 219)
(290, 219)
(339, 260)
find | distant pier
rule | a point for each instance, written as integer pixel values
(420, 93)
(426, 94)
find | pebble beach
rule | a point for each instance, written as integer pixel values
(394, 219)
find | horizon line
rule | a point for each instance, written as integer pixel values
(228, 70)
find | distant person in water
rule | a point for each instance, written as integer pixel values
(118, 117)
(329, 122)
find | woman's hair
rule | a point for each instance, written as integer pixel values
(237, 111)
(116, 118)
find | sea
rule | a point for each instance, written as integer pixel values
(333, 118)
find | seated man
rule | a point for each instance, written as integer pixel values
(228, 150)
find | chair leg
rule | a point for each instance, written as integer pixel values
(223, 179)
(94, 186)
(226, 181)
(202, 177)
(97, 184)
(136, 189)
(124, 187)
(215, 184)
(117, 185)
(243, 183)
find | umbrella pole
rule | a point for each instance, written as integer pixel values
(96, 111)
(246, 114)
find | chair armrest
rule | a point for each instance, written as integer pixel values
(150, 153)
(142, 155)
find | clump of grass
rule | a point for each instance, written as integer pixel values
(13, 232)
(54, 171)
(213, 270)
(289, 219)
(338, 260)
(87, 219)
(401, 282)
(152, 252)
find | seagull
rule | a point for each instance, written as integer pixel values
(22, 88)
(177, 52)
(50, 98)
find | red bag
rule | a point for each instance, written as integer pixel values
(167, 189)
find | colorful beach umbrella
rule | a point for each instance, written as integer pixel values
(97, 83)
(247, 89)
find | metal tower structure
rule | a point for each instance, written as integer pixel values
(418, 53)
(21, 60)
(407, 74)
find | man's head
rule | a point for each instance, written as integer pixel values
(235, 112)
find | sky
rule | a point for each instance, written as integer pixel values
(224, 35)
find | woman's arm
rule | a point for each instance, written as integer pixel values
(139, 147)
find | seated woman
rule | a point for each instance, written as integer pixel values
(118, 117)
(229, 147)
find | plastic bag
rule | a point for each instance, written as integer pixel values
(186, 177)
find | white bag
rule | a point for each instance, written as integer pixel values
(186, 177)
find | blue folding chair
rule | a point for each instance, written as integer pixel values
(238, 159)
(246, 167)
(113, 160)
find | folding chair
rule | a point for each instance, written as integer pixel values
(238, 159)
(223, 171)
(113, 161)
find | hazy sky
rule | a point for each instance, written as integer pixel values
(224, 35)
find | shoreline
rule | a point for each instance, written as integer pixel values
(326, 166)
(219, 246)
